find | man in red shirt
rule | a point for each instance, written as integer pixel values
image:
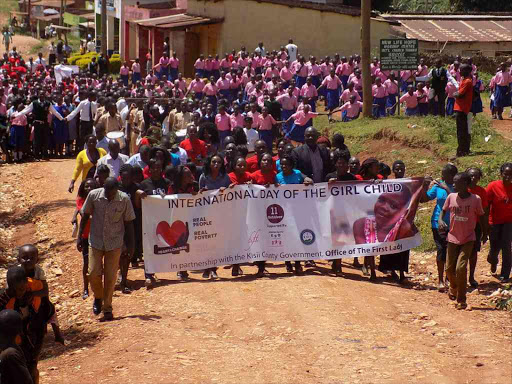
(196, 149)
(463, 101)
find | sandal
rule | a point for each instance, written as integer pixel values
(85, 295)
(462, 305)
(126, 290)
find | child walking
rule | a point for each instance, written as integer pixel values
(28, 257)
(465, 211)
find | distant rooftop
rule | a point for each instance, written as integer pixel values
(455, 28)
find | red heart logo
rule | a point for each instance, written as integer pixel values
(171, 233)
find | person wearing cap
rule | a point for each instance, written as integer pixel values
(112, 215)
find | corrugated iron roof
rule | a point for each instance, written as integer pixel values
(175, 21)
(490, 29)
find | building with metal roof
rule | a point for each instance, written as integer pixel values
(465, 35)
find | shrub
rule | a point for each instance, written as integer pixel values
(115, 64)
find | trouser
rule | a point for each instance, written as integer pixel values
(457, 268)
(133, 143)
(463, 136)
(441, 244)
(85, 129)
(103, 264)
(441, 104)
(41, 138)
(500, 237)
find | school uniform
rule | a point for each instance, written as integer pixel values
(301, 122)
(174, 64)
(197, 86)
(311, 93)
(450, 99)
(411, 104)
(265, 129)
(406, 80)
(392, 89)
(223, 123)
(502, 89)
(333, 87)
(124, 73)
(136, 76)
(301, 74)
(477, 106)
(422, 103)
(351, 111)
(380, 95)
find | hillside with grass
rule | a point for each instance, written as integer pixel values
(425, 144)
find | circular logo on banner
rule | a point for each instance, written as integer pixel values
(307, 237)
(275, 213)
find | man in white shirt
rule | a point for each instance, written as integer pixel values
(91, 47)
(142, 158)
(40, 60)
(113, 160)
(292, 50)
(87, 109)
(261, 50)
(31, 65)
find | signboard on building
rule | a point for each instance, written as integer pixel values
(398, 54)
(110, 5)
(71, 19)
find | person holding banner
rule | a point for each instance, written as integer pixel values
(396, 261)
(239, 176)
(340, 160)
(214, 177)
(154, 185)
(290, 175)
(393, 219)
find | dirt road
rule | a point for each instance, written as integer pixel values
(283, 329)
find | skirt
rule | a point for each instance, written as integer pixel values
(346, 119)
(423, 109)
(17, 136)
(213, 101)
(125, 79)
(404, 86)
(391, 103)
(315, 80)
(198, 95)
(395, 262)
(501, 96)
(267, 137)
(411, 111)
(136, 77)
(312, 104)
(226, 94)
(450, 103)
(60, 132)
(285, 115)
(477, 106)
(380, 110)
(333, 98)
(297, 131)
(344, 81)
(300, 81)
(173, 74)
(200, 73)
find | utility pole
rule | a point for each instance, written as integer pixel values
(366, 9)
(104, 27)
(61, 21)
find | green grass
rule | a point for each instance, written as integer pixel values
(7, 6)
(425, 145)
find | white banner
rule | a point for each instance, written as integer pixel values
(294, 222)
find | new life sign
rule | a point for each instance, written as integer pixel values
(398, 54)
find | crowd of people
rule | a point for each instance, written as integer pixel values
(155, 133)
